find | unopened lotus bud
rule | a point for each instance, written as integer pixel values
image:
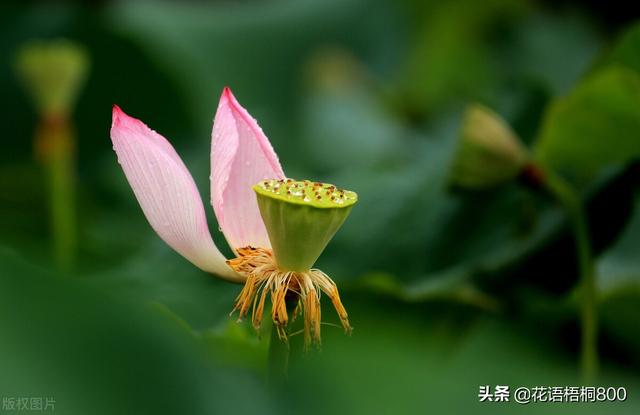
(53, 73)
(301, 217)
(489, 152)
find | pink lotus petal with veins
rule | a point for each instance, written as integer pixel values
(166, 192)
(241, 156)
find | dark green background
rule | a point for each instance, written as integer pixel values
(446, 291)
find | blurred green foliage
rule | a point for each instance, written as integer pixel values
(447, 291)
(595, 126)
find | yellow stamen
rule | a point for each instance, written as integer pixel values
(264, 277)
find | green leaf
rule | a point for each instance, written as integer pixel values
(95, 352)
(406, 359)
(554, 50)
(619, 267)
(156, 274)
(453, 286)
(597, 125)
(618, 272)
(627, 50)
(452, 37)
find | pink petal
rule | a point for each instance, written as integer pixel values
(166, 192)
(241, 156)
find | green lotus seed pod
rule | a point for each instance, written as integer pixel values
(488, 153)
(301, 217)
(53, 73)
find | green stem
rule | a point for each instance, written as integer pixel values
(278, 363)
(62, 211)
(280, 351)
(55, 146)
(572, 203)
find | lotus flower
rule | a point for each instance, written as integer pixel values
(276, 227)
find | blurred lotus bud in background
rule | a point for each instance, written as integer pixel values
(489, 152)
(53, 73)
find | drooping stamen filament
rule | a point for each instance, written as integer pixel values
(265, 278)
